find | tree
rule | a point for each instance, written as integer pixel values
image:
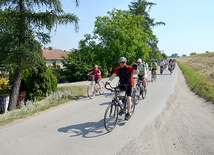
(23, 23)
(142, 8)
(193, 53)
(174, 55)
(38, 81)
(119, 34)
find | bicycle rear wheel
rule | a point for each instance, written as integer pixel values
(111, 117)
(102, 89)
(136, 95)
(152, 76)
(132, 109)
(144, 91)
(91, 91)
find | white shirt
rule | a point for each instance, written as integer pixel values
(162, 63)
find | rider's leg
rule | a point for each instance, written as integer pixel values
(98, 82)
(129, 98)
(144, 81)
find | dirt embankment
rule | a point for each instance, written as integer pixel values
(185, 127)
(202, 63)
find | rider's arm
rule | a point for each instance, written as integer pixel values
(89, 73)
(136, 71)
(144, 71)
(112, 77)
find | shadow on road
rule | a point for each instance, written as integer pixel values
(89, 129)
(86, 130)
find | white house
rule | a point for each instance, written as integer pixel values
(54, 57)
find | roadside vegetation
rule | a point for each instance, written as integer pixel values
(28, 108)
(199, 74)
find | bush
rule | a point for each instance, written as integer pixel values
(4, 86)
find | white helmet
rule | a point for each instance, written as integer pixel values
(139, 60)
(122, 59)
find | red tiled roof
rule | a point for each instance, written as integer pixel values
(54, 54)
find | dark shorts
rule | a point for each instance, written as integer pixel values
(98, 80)
(129, 91)
(141, 77)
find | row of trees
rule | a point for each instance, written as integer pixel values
(25, 25)
(120, 33)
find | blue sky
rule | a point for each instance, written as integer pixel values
(189, 24)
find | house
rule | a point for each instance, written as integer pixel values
(54, 57)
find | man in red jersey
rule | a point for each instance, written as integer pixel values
(125, 73)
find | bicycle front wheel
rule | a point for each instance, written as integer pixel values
(111, 117)
(91, 91)
(101, 90)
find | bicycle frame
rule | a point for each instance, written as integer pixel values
(93, 88)
(116, 97)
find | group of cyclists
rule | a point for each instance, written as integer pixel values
(126, 75)
(167, 63)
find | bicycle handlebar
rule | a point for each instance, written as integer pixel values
(113, 89)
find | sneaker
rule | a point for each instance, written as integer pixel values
(127, 117)
(121, 112)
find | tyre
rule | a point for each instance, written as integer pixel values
(102, 90)
(111, 117)
(161, 71)
(136, 95)
(132, 109)
(91, 91)
(152, 78)
(144, 91)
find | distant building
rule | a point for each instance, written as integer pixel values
(54, 57)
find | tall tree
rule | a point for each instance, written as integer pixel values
(142, 8)
(120, 35)
(24, 22)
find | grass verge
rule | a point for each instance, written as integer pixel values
(29, 108)
(198, 83)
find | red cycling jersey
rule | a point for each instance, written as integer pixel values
(97, 73)
(125, 74)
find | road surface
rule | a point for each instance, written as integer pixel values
(172, 120)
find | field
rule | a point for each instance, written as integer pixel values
(198, 71)
(202, 63)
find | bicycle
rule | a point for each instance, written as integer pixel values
(171, 69)
(94, 87)
(161, 69)
(117, 107)
(138, 90)
(153, 77)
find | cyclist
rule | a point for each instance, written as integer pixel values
(142, 71)
(125, 73)
(153, 66)
(170, 65)
(97, 73)
(162, 65)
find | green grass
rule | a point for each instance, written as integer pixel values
(29, 108)
(198, 83)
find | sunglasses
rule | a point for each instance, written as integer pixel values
(122, 62)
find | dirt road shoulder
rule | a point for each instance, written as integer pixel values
(185, 127)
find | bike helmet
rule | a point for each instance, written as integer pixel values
(122, 59)
(139, 60)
